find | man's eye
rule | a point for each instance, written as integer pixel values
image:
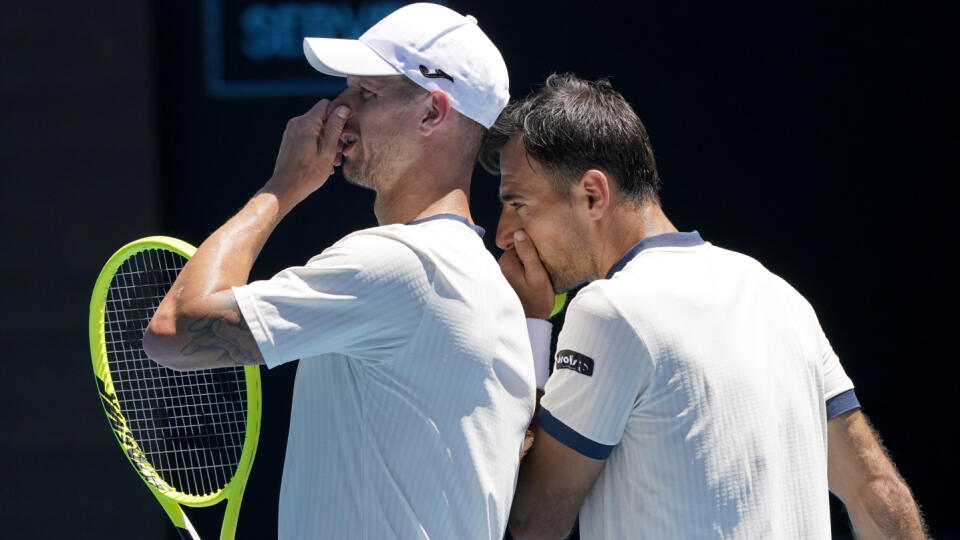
(517, 205)
(366, 94)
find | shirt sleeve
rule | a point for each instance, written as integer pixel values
(838, 393)
(361, 297)
(599, 371)
(837, 387)
(835, 379)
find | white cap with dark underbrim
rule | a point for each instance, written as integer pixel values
(432, 45)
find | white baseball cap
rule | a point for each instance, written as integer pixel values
(432, 45)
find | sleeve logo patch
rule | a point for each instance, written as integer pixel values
(581, 363)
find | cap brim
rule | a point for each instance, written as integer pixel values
(342, 57)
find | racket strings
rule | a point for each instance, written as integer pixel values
(190, 426)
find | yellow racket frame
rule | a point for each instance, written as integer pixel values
(169, 497)
(559, 302)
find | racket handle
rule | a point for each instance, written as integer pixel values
(176, 515)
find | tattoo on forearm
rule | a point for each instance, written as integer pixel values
(223, 333)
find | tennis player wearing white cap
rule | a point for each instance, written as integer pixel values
(415, 383)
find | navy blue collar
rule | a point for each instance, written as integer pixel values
(476, 228)
(673, 239)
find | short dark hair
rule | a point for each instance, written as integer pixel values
(572, 125)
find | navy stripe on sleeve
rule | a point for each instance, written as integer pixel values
(565, 434)
(840, 403)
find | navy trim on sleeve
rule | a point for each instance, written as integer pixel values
(476, 228)
(566, 435)
(841, 403)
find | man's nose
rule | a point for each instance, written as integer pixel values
(507, 225)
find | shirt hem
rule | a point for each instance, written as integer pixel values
(257, 328)
(841, 403)
(570, 438)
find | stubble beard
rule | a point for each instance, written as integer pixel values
(579, 268)
(563, 279)
(371, 169)
(357, 171)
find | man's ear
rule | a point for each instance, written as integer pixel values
(436, 111)
(594, 187)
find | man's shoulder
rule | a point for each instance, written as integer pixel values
(372, 250)
(736, 258)
(425, 251)
(420, 239)
(386, 233)
(757, 273)
(394, 239)
(596, 299)
(652, 270)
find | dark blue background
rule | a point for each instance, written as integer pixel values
(820, 138)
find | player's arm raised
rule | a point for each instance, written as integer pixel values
(198, 325)
(861, 474)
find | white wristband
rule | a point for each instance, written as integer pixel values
(539, 331)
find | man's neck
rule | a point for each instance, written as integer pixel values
(416, 196)
(626, 228)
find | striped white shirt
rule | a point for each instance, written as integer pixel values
(704, 381)
(414, 388)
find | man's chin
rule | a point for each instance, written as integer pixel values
(561, 288)
(562, 284)
(559, 283)
(353, 174)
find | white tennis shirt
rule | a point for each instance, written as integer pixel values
(414, 389)
(704, 381)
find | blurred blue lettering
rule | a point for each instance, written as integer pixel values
(277, 30)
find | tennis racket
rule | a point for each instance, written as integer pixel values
(191, 436)
(559, 302)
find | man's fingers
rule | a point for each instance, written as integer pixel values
(528, 256)
(511, 268)
(318, 112)
(509, 261)
(338, 159)
(536, 295)
(332, 130)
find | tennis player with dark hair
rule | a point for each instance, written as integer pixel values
(694, 394)
(415, 383)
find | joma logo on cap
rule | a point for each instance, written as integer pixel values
(437, 74)
(581, 363)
